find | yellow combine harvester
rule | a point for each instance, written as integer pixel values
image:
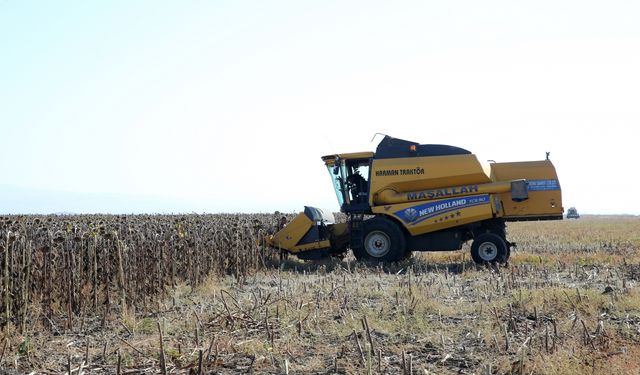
(410, 197)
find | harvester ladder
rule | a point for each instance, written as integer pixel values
(357, 226)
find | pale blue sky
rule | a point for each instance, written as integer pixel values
(228, 105)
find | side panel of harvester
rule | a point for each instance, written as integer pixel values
(420, 173)
(427, 194)
(429, 216)
(545, 196)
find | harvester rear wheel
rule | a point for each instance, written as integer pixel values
(382, 241)
(489, 248)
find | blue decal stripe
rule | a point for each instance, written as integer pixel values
(543, 185)
(424, 211)
(446, 211)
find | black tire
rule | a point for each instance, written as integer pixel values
(489, 248)
(382, 241)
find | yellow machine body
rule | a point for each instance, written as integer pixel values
(420, 173)
(545, 195)
(313, 231)
(432, 193)
(290, 236)
(428, 189)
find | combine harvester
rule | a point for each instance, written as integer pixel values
(410, 197)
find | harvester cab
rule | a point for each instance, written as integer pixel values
(350, 176)
(418, 197)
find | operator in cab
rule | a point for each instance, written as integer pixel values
(356, 184)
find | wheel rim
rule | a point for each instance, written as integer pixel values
(377, 244)
(488, 251)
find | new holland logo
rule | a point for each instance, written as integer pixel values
(411, 214)
(416, 214)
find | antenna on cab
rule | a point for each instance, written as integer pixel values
(374, 136)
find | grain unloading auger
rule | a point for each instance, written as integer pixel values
(410, 197)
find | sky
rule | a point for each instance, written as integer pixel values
(227, 106)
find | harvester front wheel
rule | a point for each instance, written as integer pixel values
(382, 241)
(489, 248)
